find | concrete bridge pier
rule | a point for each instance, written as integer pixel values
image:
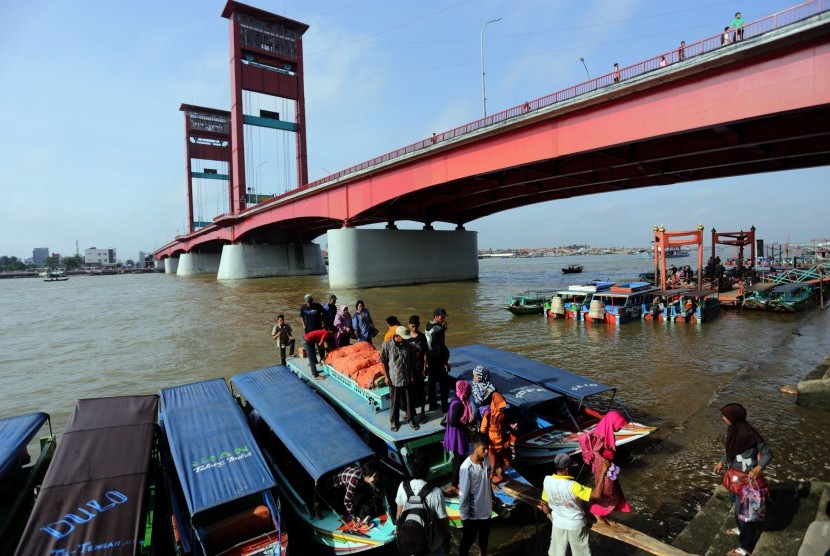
(242, 261)
(171, 265)
(198, 263)
(390, 257)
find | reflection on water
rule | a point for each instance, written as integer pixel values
(113, 335)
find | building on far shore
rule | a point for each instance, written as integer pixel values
(99, 257)
(40, 254)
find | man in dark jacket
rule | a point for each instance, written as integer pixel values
(438, 359)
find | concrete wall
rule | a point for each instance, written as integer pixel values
(171, 265)
(261, 261)
(367, 258)
(198, 263)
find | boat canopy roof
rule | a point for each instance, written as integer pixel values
(593, 286)
(516, 390)
(761, 287)
(100, 471)
(217, 458)
(308, 426)
(670, 293)
(15, 433)
(789, 288)
(698, 294)
(554, 378)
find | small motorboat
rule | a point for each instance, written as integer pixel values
(572, 269)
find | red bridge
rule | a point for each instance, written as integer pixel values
(759, 105)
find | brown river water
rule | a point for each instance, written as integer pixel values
(133, 334)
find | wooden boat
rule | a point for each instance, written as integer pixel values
(791, 298)
(18, 474)
(218, 482)
(551, 405)
(758, 297)
(705, 306)
(54, 276)
(620, 304)
(100, 488)
(303, 462)
(572, 269)
(529, 302)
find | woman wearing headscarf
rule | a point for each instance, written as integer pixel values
(460, 414)
(482, 390)
(494, 426)
(746, 452)
(342, 326)
(599, 446)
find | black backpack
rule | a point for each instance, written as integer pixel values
(415, 527)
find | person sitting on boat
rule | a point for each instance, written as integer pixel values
(689, 307)
(354, 480)
(598, 447)
(656, 306)
(495, 426)
(482, 390)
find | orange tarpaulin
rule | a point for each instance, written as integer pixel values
(360, 362)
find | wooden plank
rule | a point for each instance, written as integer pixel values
(533, 496)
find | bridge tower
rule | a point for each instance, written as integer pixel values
(266, 58)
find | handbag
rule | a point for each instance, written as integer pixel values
(735, 481)
(752, 507)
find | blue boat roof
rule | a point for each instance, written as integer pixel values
(15, 434)
(559, 380)
(308, 426)
(516, 391)
(217, 458)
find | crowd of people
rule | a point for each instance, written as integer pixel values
(479, 434)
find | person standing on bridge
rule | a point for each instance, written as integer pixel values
(724, 39)
(681, 51)
(617, 75)
(738, 25)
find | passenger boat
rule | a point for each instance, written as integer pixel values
(98, 495)
(666, 299)
(572, 269)
(367, 411)
(303, 462)
(791, 298)
(758, 297)
(529, 302)
(54, 276)
(552, 406)
(705, 306)
(218, 482)
(18, 475)
(676, 252)
(620, 304)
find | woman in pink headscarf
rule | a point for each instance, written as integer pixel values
(460, 415)
(343, 326)
(598, 446)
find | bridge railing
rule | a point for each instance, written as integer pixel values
(709, 44)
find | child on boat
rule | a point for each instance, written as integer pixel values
(599, 446)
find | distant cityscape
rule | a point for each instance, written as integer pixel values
(92, 257)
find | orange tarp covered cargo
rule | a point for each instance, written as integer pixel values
(360, 362)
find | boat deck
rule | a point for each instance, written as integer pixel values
(362, 409)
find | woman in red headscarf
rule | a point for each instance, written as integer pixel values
(599, 446)
(746, 452)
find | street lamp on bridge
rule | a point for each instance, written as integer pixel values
(483, 91)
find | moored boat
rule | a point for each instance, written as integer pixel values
(696, 306)
(551, 405)
(18, 474)
(218, 482)
(303, 462)
(529, 302)
(676, 252)
(757, 299)
(658, 303)
(791, 298)
(100, 486)
(620, 304)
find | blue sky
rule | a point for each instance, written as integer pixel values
(92, 144)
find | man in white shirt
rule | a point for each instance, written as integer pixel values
(434, 502)
(475, 497)
(562, 502)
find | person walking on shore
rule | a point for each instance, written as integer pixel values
(475, 498)
(562, 502)
(745, 457)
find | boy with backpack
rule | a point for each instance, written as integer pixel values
(423, 527)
